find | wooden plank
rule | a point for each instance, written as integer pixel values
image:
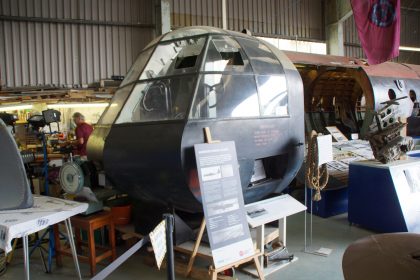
(200, 233)
(78, 93)
(237, 263)
(128, 231)
(271, 233)
(203, 251)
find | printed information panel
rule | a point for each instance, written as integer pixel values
(223, 202)
(158, 240)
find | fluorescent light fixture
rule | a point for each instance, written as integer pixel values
(412, 49)
(77, 105)
(15, 107)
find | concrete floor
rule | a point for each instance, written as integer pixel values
(334, 233)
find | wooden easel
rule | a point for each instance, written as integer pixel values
(213, 271)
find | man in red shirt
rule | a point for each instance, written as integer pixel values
(83, 131)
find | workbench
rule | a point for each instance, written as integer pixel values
(45, 212)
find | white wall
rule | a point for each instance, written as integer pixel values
(297, 46)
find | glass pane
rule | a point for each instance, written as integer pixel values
(165, 99)
(121, 95)
(174, 58)
(263, 61)
(273, 95)
(225, 96)
(225, 54)
(138, 65)
(117, 102)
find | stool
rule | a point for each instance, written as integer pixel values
(90, 224)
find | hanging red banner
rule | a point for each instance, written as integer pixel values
(378, 25)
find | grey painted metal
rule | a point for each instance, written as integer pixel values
(283, 18)
(26, 256)
(335, 38)
(73, 246)
(336, 12)
(224, 15)
(15, 191)
(165, 14)
(173, 157)
(75, 21)
(71, 42)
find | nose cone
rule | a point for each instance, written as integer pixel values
(245, 90)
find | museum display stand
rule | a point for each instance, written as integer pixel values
(272, 209)
(385, 197)
(214, 270)
(207, 254)
(316, 179)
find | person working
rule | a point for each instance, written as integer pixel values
(83, 131)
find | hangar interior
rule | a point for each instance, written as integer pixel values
(174, 139)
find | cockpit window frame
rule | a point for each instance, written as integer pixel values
(199, 73)
(252, 73)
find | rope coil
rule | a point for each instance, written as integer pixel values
(316, 176)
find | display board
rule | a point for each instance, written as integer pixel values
(223, 203)
(158, 240)
(272, 209)
(408, 192)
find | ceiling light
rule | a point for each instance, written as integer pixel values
(412, 49)
(77, 105)
(15, 107)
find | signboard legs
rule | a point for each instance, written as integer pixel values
(223, 204)
(214, 271)
(195, 249)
